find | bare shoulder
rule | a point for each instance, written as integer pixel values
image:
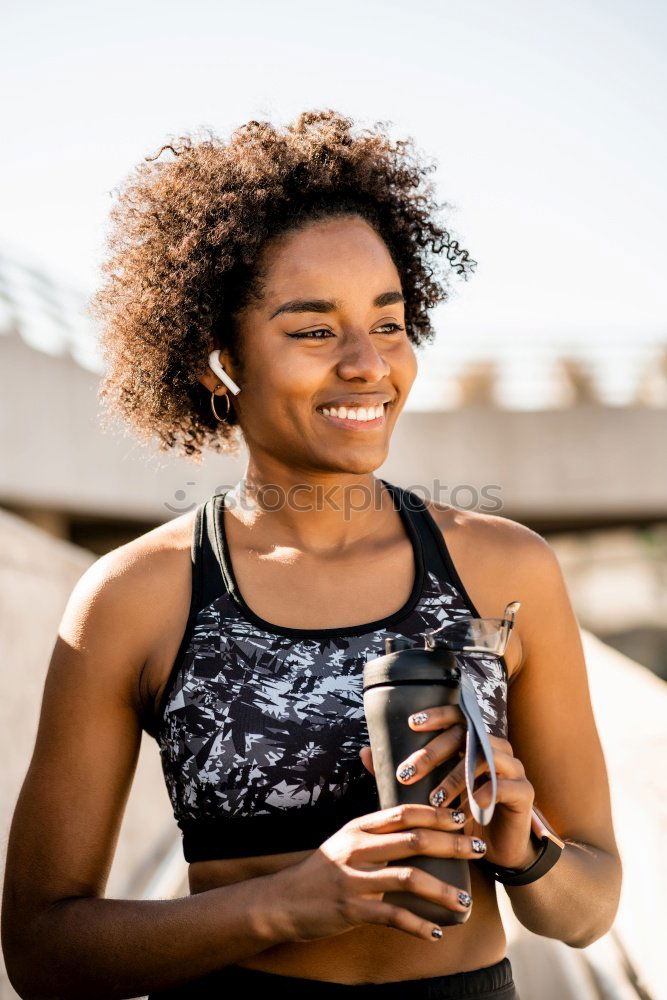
(126, 598)
(505, 542)
(137, 571)
(501, 560)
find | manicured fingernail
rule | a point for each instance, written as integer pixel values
(407, 772)
(478, 845)
(436, 932)
(458, 816)
(464, 899)
(419, 718)
(437, 797)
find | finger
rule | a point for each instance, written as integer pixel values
(438, 717)
(405, 817)
(454, 781)
(367, 759)
(434, 753)
(414, 880)
(497, 743)
(417, 842)
(372, 912)
(517, 794)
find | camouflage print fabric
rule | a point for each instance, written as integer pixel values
(258, 722)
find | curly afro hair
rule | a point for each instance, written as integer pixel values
(183, 245)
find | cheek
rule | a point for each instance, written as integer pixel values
(405, 366)
(283, 389)
(296, 381)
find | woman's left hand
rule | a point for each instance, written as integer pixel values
(507, 836)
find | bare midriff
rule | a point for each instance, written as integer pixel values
(368, 952)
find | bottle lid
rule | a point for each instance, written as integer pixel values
(414, 665)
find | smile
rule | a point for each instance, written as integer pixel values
(357, 418)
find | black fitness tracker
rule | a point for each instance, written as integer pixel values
(549, 845)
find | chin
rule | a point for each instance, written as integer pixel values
(357, 465)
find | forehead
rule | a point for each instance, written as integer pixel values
(326, 256)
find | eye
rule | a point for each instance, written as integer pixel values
(311, 334)
(395, 327)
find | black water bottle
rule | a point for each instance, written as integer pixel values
(407, 679)
(411, 678)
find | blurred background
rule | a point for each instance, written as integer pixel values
(543, 397)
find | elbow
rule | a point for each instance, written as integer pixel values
(23, 979)
(27, 965)
(17, 969)
(20, 979)
(29, 987)
(603, 912)
(589, 936)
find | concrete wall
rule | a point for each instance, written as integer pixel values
(584, 461)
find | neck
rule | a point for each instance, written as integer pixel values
(314, 513)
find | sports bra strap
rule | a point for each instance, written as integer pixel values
(210, 572)
(204, 582)
(436, 557)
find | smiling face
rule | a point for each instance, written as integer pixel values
(328, 333)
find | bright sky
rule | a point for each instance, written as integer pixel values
(547, 122)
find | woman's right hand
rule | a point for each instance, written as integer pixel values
(341, 884)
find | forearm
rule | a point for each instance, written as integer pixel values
(576, 901)
(113, 948)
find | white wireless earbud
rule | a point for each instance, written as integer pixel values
(214, 365)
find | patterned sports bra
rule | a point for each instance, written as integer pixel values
(259, 726)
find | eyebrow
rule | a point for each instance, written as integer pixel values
(327, 305)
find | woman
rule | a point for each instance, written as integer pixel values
(297, 266)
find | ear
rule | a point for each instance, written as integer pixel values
(210, 380)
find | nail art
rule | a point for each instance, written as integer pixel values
(458, 816)
(407, 772)
(437, 797)
(464, 898)
(478, 845)
(419, 718)
(436, 932)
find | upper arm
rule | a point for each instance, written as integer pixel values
(69, 810)
(552, 728)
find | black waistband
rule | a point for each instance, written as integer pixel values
(491, 982)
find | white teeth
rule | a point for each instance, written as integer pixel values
(354, 413)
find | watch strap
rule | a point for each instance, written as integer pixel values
(550, 852)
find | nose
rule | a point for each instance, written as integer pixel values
(361, 358)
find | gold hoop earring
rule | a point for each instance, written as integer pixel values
(220, 419)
